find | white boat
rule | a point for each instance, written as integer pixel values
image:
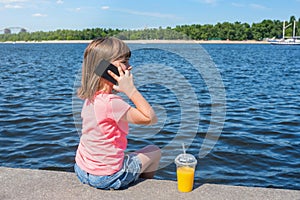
(294, 40)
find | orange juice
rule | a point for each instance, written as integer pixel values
(185, 178)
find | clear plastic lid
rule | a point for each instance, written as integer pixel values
(185, 159)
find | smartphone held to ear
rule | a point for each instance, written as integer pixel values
(103, 67)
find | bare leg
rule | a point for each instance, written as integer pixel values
(150, 157)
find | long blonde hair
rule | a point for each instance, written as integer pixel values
(108, 48)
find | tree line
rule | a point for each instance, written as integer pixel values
(219, 31)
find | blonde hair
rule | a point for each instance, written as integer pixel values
(108, 48)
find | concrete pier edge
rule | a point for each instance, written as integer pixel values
(22, 184)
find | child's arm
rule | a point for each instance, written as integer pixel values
(143, 113)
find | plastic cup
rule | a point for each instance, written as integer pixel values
(185, 164)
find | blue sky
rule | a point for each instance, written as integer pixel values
(45, 15)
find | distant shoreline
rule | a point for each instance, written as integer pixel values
(143, 42)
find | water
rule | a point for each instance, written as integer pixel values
(259, 145)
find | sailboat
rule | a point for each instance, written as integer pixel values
(286, 40)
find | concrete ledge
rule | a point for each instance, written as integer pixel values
(21, 184)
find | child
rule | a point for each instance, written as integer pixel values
(100, 158)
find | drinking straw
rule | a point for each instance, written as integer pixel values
(183, 148)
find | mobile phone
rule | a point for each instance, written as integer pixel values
(103, 67)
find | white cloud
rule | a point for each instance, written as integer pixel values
(10, 6)
(211, 2)
(149, 14)
(257, 6)
(237, 5)
(59, 1)
(253, 6)
(39, 15)
(13, 4)
(74, 9)
(12, 1)
(104, 7)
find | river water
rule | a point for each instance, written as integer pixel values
(259, 141)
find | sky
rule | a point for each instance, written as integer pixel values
(49, 15)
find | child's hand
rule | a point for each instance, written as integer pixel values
(125, 82)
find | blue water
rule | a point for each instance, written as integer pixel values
(260, 142)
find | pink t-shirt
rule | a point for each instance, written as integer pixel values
(103, 141)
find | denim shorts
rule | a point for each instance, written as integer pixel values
(127, 175)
